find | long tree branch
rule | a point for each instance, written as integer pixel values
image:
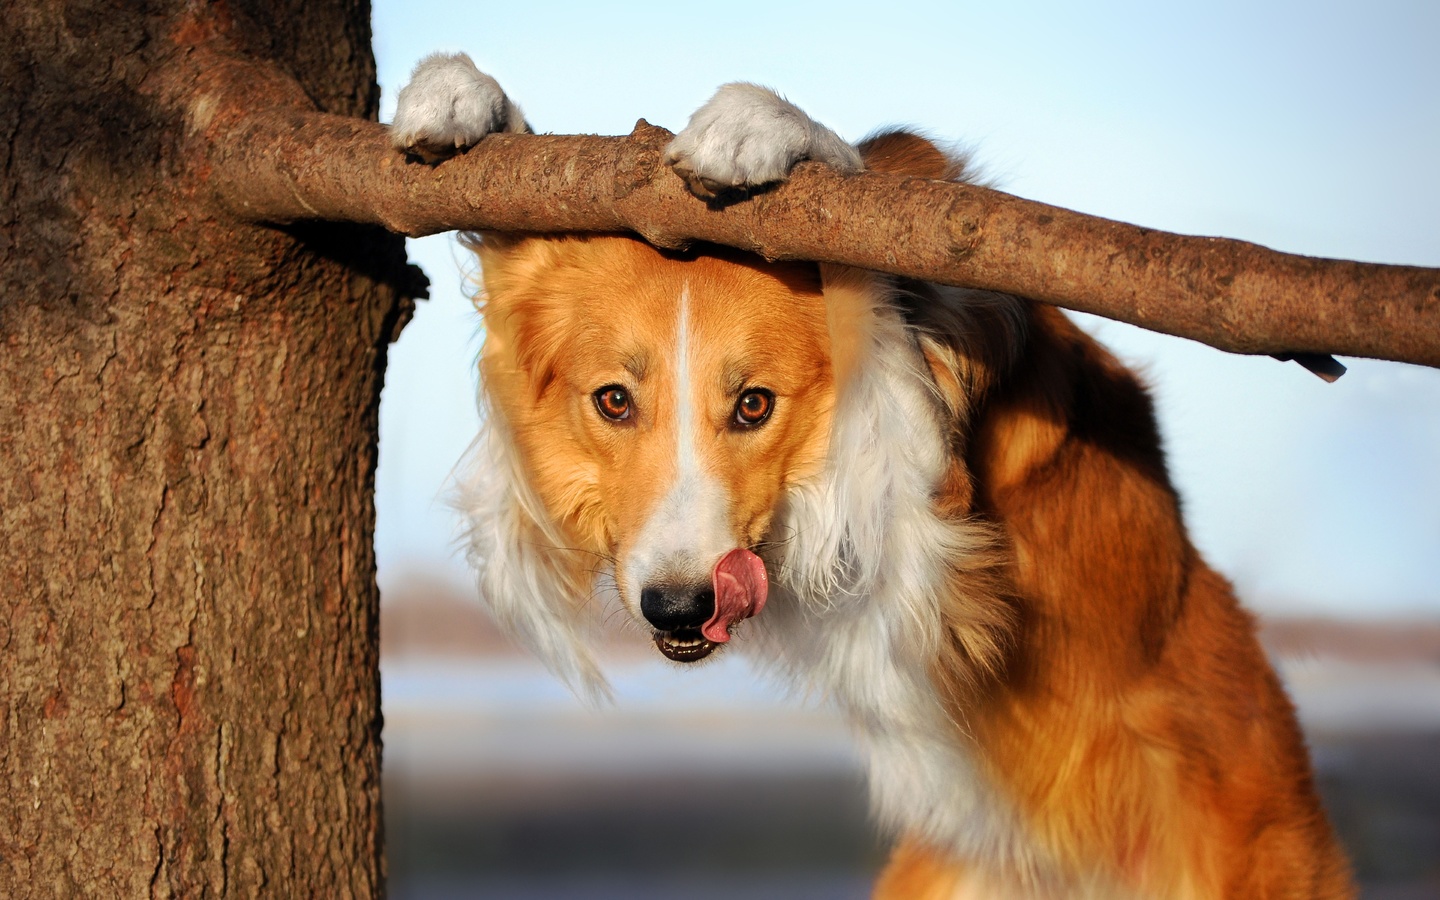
(285, 166)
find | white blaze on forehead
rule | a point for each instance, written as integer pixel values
(686, 462)
(689, 529)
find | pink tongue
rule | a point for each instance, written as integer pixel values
(740, 588)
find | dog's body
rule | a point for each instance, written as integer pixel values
(947, 510)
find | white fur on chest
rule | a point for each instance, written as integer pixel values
(861, 566)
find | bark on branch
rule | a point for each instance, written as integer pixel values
(283, 166)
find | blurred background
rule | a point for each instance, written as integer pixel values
(1309, 127)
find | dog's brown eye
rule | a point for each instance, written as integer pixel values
(613, 402)
(753, 407)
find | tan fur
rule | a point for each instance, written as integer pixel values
(1110, 686)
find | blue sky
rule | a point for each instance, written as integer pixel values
(1308, 127)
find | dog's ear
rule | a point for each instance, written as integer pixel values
(538, 588)
(507, 260)
(525, 328)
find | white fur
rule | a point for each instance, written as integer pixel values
(449, 104)
(747, 136)
(861, 565)
(523, 575)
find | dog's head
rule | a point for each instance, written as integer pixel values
(669, 421)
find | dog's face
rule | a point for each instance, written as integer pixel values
(660, 406)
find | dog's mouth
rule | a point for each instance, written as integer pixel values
(686, 645)
(740, 588)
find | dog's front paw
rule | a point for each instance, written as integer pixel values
(449, 105)
(747, 136)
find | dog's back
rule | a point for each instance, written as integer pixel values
(1134, 718)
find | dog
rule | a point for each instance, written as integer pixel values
(947, 510)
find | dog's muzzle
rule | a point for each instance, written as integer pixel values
(677, 613)
(691, 620)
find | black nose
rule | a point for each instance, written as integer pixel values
(675, 608)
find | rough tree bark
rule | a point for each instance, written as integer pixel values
(188, 653)
(293, 165)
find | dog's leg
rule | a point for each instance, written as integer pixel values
(747, 136)
(449, 105)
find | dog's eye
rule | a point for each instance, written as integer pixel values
(613, 402)
(753, 407)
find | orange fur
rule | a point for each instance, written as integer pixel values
(1138, 723)
(1111, 687)
(567, 315)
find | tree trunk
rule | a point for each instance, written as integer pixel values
(188, 642)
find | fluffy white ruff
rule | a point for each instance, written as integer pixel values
(747, 135)
(862, 562)
(538, 591)
(450, 104)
